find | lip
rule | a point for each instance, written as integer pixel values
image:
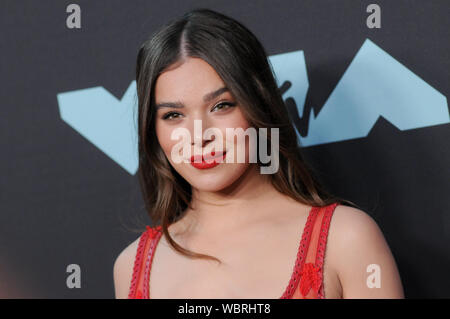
(208, 160)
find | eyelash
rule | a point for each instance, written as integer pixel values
(168, 114)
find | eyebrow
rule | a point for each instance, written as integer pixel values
(206, 98)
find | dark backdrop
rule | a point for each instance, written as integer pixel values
(65, 200)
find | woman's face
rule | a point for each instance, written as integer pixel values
(188, 85)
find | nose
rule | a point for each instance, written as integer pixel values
(197, 128)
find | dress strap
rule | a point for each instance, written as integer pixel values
(311, 280)
(138, 287)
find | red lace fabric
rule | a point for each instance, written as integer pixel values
(306, 281)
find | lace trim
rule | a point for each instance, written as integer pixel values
(323, 244)
(136, 292)
(310, 279)
(137, 265)
(312, 273)
(155, 234)
(301, 254)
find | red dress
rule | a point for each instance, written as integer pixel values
(307, 276)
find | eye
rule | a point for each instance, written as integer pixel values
(223, 106)
(170, 115)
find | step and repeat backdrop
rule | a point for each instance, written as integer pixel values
(368, 81)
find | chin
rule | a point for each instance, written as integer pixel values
(214, 180)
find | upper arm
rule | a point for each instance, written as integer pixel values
(123, 270)
(357, 247)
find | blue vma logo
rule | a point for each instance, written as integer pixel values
(374, 85)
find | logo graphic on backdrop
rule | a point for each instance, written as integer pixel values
(374, 85)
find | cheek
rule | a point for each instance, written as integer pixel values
(163, 134)
(240, 120)
(236, 120)
(175, 148)
(237, 142)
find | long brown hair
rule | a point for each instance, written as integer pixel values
(241, 61)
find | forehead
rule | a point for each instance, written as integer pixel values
(188, 81)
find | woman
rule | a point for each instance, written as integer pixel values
(225, 229)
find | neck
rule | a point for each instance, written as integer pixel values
(230, 208)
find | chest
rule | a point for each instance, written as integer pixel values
(258, 266)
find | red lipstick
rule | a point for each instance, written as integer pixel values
(208, 161)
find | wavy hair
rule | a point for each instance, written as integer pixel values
(241, 61)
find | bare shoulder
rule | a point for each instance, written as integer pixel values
(349, 222)
(353, 228)
(355, 247)
(123, 269)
